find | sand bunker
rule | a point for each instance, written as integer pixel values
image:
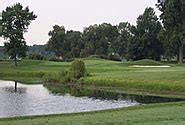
(142, 66)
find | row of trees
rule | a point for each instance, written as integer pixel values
(145, 40)
(148, 39)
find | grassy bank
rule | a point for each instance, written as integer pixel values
(160, 114)
(105, 74)
(30, 71)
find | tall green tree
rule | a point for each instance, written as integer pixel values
(90, 38)
(120, 44)
(56, 41)
(15, 22)
(74, 38)
(98, 38)
(170, 45)
(144, 42)
(173, 18)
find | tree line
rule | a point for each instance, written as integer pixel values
(146, 40)
(151, 37)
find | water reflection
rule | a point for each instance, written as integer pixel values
(104, 95)
(133, 98)
(14, 89)
(15, 86)
(22, 100)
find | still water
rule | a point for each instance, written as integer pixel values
(28, 100)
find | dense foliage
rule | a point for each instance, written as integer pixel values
(77, 69)
(116, 42)
(148, 39)
(15, 21)
(144, 43)
(35, 56)
(173, 34)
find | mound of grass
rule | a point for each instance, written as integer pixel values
(148, 62)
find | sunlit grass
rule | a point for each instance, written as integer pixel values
(104, 73)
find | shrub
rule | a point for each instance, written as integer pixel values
(114, 57)
(35, 56)
(77, 69)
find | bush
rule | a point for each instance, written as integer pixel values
(114, 57)
(35, 56)
(77, 69)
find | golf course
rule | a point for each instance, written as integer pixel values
(92, 62)
(112, 76)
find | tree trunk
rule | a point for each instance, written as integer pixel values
(181, 54)
(15, 60)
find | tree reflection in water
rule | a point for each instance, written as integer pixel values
(105, 95)
(15, 89)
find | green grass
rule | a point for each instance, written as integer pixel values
(146, 62)
(105, 74)
(153, 80)
(29, 71)
(160, 114)
(112, 76)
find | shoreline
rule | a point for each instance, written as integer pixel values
(108, 88)
(84, 114)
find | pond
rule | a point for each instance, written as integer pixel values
(26, 100)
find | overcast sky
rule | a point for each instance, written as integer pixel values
(77, 14)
